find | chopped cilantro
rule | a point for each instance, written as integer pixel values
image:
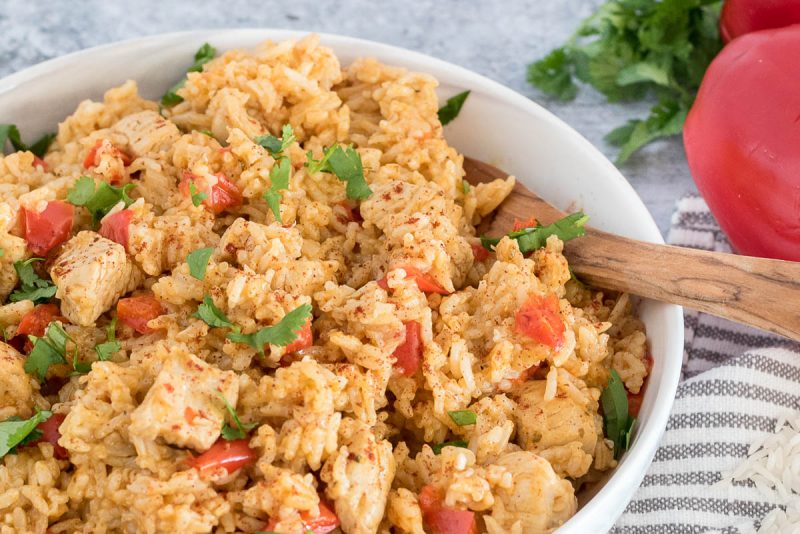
(32, 287)
(206, 132)
(50, 349)
(619, 424)
(213, 316)
(197, 196)
(630, 49)
(465, 187)
(437, 448)
(198, 261)
(463, 417)
(10, 132)
(97, 196)
(535, 237)
(239, 430)
(345, 164)
(111, 345)
(203, 55)
(452, 107)
(280, 334)
(15, 432)
(279, 176)
(277, 146)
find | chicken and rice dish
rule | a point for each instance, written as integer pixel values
(261, 305)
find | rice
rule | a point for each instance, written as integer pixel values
(342, 421)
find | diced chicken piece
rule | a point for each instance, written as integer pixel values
(15, 385)
(91, 274)
(184, 405)
(560, 429)
(538, 501)
(359, 477)
(147, 132)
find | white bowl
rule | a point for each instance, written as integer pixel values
(496, 125)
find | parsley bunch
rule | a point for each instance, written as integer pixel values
(630, 49)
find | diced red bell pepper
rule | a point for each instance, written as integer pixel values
(139, 310)
(34, 323)
(219, 197)
(324, 523)
(425, 282)
(442, 520)
(479, 252)
(352, 212)
(92, 157)
(51, 434)
(539, 319)
(230, 455)
(116, 227)
(49, 228)
(409, 354)
(39, 162)
(521, 225)
(305, 338)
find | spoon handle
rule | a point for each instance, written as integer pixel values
(760, 292)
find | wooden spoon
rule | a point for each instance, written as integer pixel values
(759, 292)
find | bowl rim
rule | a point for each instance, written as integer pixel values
(610, 501)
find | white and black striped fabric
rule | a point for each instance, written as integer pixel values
(737, 381)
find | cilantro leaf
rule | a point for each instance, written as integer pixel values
(618, 422)
(197, 196)
(97, 196)
(280, 334)
(209, 133)
(279, 176)
(15, 432)
(48, 350)
(213, 316)
(111, 345)
(32, 287)
(198, 261)
(203, 55)
(535, 237)
(452, 107)
(277, 146)
(463, 417)
(10, 132)
(239, 430)
(345, 164)
(632, 49)
(437, 448)
(465, 187)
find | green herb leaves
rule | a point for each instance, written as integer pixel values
(631, 48)
(239, 430)
(281, 171)
(97, 196)
(213, 316)
(197, 196)
(10, 132)
(48, 350)
(452, 107)
(530, 239)
(463, 417)
(203, 55)
(345, 164)
(32, 287)
(280, 334)
(619, 424)
(437, 448)
(15, 432)
(198, 261)
(107, 349)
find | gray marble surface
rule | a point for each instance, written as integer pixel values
(496, 38)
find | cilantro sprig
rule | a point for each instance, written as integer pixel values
(452, 107)
(50, 349)
(32, 287)
(633, 48)
(106, 349)
(345, 164)
(97, 196)
(238, 430)
(280, 334)
(619, 424)
(10, 132)
(535, 237)
(203, 55)
(281, 171)
(198, 261)
(213, 316)
(16, 432)
(463, 417)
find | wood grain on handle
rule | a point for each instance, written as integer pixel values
(761, 292)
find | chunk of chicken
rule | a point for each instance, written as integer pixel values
(15, 385)
(561, 429)
(184, 405)
(147, 132)
(538, 501)
(359, 477)
(91, 274)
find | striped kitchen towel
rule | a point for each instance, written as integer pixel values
(729, 461)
